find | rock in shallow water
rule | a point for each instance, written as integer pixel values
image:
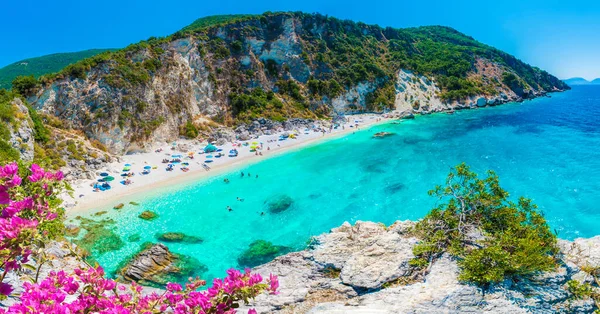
(177, 237)
(155, 265)
(279, 204)
(260, 252)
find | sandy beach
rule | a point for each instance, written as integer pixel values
(85, 199)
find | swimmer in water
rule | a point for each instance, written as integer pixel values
(229, 208)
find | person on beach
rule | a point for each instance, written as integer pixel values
(262, 213)
(249, 175)
(229, 208)
(226, 180)
(242, 174)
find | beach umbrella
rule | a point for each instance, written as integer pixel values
(127, 165)
(185, 164)
(103, 174)
(109, 178)
(124, 174)
(101, 180)
(126, 169)
(210, 148)
(254, 143)
(147, 167)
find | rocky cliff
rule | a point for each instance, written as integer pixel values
(227, 71)
(364, 269)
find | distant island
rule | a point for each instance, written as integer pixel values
(581, 81)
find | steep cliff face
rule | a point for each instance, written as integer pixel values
(22, 134)
(278, 66)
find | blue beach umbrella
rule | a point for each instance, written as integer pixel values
(103, 174)
(210, 148)
(127, 165)
(147, 167)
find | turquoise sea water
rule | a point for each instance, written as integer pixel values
(547, 149)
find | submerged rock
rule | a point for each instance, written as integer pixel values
(134, 237)
(279, 203)
(177, 237)
(148, 215)
(100, 237)
(260, 252)
(382, 134)
(72, 230)
(155, 265)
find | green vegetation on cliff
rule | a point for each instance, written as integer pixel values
(43, 65)
(237, 68)
(493, 237)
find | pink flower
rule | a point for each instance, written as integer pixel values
(15, 181)
(4, 196)
(9, 170)
(5, 289)
(173, 287)
(58, 176)
(273, 284)
(37, 173)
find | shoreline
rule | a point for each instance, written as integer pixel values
(85, 201)
(159, 178)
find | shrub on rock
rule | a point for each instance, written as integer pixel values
(493, 237)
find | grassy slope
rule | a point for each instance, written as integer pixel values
(43, 65)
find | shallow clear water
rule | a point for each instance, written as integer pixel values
(546, 149)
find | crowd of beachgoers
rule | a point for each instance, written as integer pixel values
(165, 163)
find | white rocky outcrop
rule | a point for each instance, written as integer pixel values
(364, 269)
(417, 94)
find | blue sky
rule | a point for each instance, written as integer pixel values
(562, 37)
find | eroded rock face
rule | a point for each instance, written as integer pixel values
(22, 138)
(363, 268)
(382, 261)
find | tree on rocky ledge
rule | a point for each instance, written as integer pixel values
(493, 238)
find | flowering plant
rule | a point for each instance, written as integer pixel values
(92, 293)
(28, 206)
